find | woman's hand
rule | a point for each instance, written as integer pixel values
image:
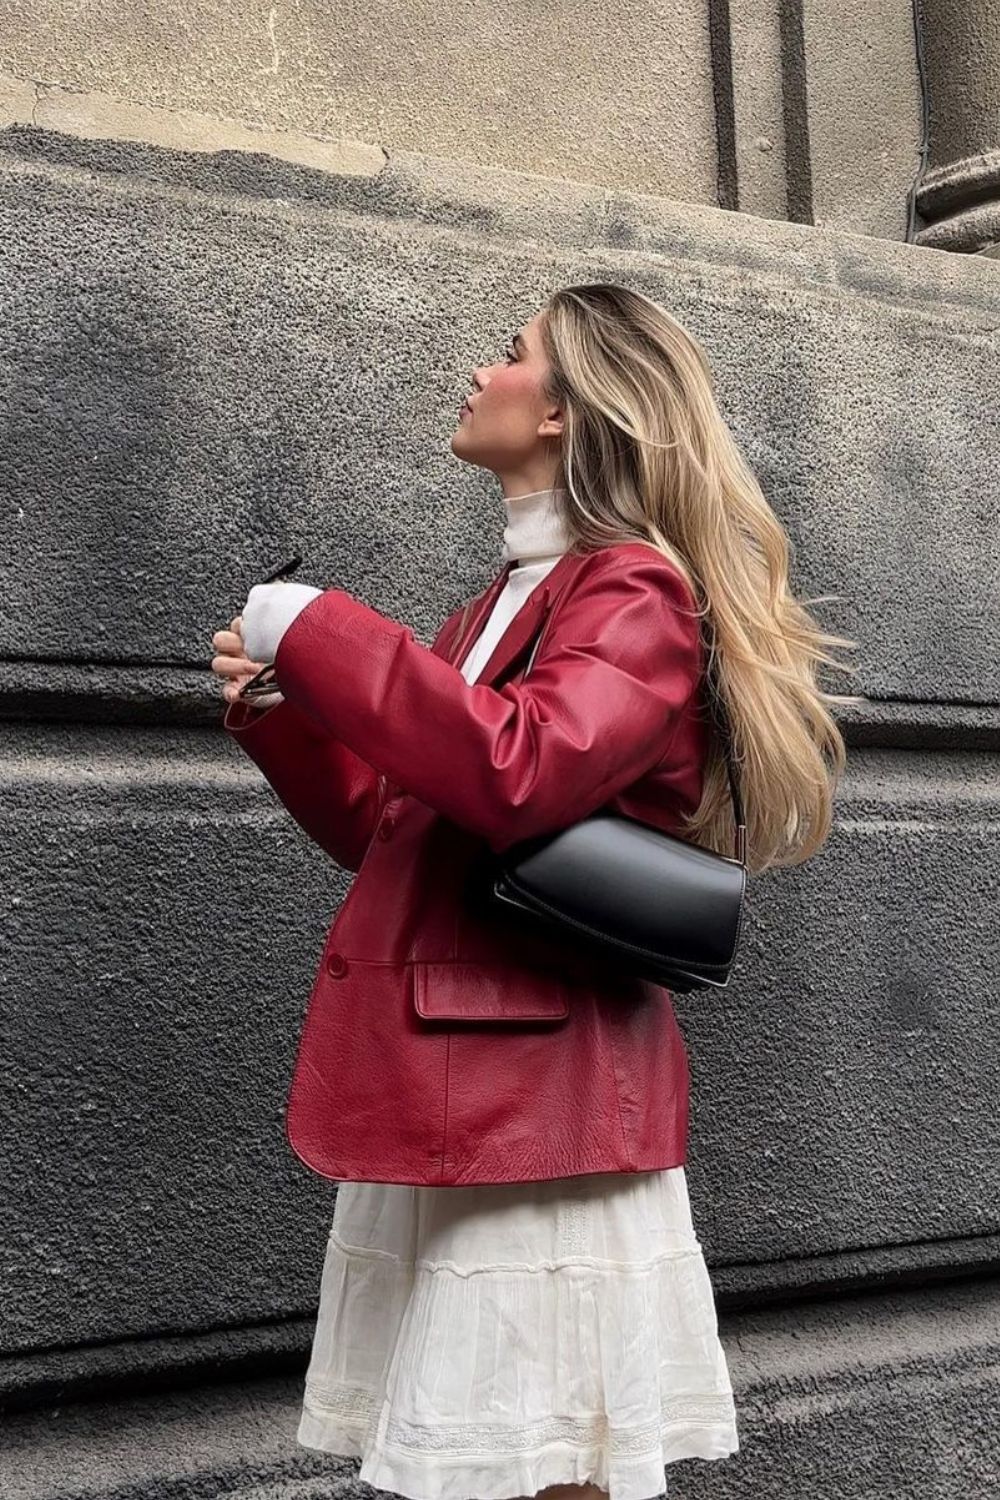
(268, 612)
(235, 668)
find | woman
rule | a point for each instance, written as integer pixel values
(514, 1300)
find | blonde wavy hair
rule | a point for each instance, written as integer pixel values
(646, 455)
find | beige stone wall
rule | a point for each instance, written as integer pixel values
(662, 98)
(864, 113)
(619, 94)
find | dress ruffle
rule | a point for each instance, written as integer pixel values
(484, 1342)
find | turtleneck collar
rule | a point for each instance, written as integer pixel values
(534, 528)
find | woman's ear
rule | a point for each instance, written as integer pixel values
(552, 423)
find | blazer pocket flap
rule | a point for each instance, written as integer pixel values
(483, 992)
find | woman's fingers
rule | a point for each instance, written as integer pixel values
(231, 661)
(235, 666)
(233, 680)
(231, 693)
(229, 641)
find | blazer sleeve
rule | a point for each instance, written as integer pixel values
(331, 792)
(619, 662)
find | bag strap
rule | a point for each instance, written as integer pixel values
(720, 717)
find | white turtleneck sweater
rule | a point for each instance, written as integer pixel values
(535, 538)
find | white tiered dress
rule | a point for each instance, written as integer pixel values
(481, 1343)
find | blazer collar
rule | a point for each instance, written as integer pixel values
(520, 631)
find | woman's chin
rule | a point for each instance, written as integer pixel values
(464, 451)
(459, 443)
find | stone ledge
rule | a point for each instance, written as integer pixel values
(96, 116)
(445, 194)
(185, 698)
(123, 1366)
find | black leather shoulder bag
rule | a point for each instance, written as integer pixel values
(649, 903)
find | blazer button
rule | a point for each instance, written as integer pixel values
(336, 965)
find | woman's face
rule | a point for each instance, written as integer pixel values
(510, 425)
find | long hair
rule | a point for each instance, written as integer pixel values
(646, 455)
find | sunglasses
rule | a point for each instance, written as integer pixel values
(265, 681)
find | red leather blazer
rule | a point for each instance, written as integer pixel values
(440, 1046)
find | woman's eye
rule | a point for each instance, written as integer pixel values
(509, 352)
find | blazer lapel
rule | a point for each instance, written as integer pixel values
(521, 630)
(467, 621)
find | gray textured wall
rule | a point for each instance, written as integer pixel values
(206, 361)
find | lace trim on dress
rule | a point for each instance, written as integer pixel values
(353, 1405)
(573, 1222)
